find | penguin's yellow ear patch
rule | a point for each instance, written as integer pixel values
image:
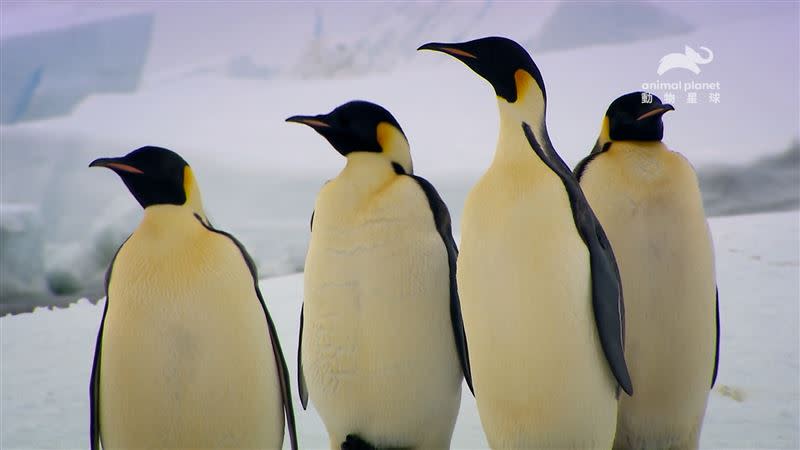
(387, 135)
(192, 191)
(394, 145)
(188, 182)
(524, 82)
(605, 131)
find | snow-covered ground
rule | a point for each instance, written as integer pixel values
(47, 355)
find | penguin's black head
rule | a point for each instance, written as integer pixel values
(496, 59)
(632, 118)
(360, 126)
(154, 175)
(352, 127)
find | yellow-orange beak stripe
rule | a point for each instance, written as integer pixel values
(314, 123)
(652, 113)
(457, 51)
(122, 167)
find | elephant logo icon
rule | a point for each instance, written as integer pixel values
(689, 60)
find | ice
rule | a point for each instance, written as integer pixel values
(243, 66)
(47, 74)
(21, 251)
(607, 22)
(768, 184)
(47, 355)
(81, 222)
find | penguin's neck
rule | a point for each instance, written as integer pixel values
(640, 148)
(643, 159)
(169, 223)
(367, 172)
(513, 147)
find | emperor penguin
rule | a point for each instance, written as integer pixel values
(540, 289)
(382, 349)
(649, 202)
(187, 355)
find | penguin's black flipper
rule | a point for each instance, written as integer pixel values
(280, 361)
(94, 381)
(301, 378)
(441, 217)
(607, 285)
(716, 354)
(94, 386)
(607, 301)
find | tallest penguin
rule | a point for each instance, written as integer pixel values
(540, 291)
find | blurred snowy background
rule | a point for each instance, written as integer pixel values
(214, 81)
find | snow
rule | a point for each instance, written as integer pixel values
(47, 354)
(47, 74)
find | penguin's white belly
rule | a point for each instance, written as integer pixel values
(378, 351)
(661, 241)
(539, 373)
(187, 360)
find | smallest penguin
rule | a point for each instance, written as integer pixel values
(648, 199)
(187, 355)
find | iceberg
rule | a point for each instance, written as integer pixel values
(47, 74)
(615, 22)
(21, 251)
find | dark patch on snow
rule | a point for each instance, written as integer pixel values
(768, 184)
(605, 23)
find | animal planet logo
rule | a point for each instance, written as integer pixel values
(690, 60)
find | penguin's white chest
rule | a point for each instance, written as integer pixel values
(523, 272)
(186, 354)
(378, 350)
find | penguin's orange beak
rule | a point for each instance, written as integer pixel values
(312, 121)
(116, 165)
(657, 111)
(450, 49)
